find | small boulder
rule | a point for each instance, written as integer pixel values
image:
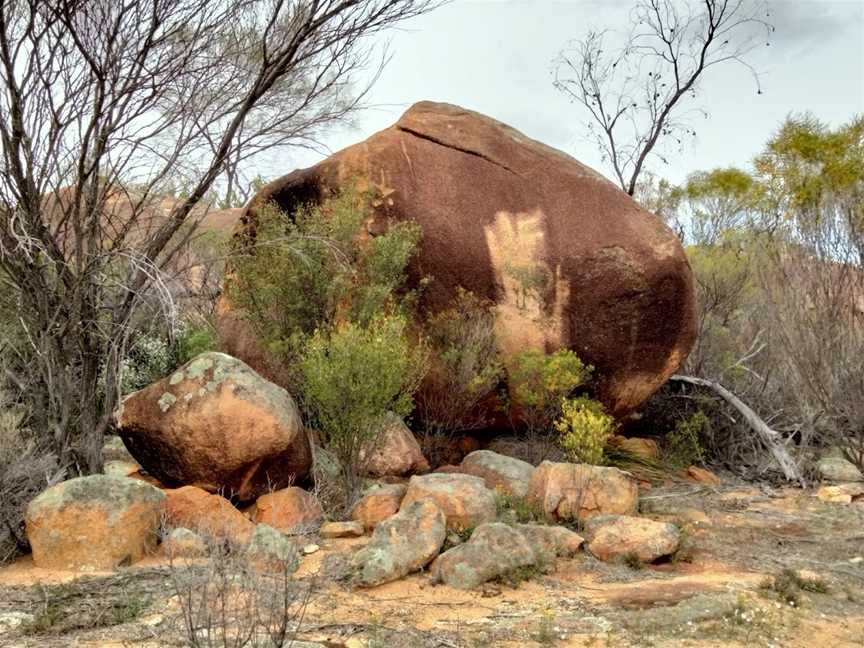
(401, 544)
(289, 509)
(216, 424)
(703, 476)
(616, 536)
(463, 499)
(549, 542)
(638, 446)
(378, 504)
(500, 472)
(341, 530)
(838, 469)
(841, 493)
(394, 452)
(203, 512)
(93, 523)
(580, 491)
(271, 550)
(493, 550)
(184, 543)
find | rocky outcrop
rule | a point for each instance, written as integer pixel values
(289, 509)
(394, 452)
(378, 504)
(611, 537)
(93, 523)
(216, 424)
(579, 491)
(568, 258)
(506, 474)
(464, 500)
(208, 514)
(404, 543)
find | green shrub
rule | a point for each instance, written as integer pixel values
(353, 376)
(465, 364)
(583, 429)
(682, 446)
(193, 341)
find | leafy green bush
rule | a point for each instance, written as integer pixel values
(353, 376)
(682, 446)
(583, 428)
(193, 341)
(465, 364)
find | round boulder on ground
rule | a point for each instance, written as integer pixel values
(206, 513)
(378, 504)
(611, 537)
(216, 424)
(464, 500)
(500, 472)
(94, 523)
(288, 510)
(580, 491)
(394, 451)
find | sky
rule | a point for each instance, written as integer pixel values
(495, 57)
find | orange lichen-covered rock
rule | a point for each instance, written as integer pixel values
(464, 500)
(93, 523)
(216, 424)
(618, 536)
(286, 509)
(378, 504)
(394, 451)
(581, 491)
(213, 515)
(568, 259)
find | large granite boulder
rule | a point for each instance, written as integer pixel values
(94, 523)
(500, 472)
(216, 424)
(568, 258)
(463, 499)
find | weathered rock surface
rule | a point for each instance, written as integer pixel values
(216, 424)
(287, 510)
(183, 543)
(616, 536)
(579, 491)
(549, 542)
(378, 504)
(842, 493)
(500, 472)
(463, 499)
(203, 512)
(401, 544)
(395, 452)
(493, 550)
(702, 476)
(93, 523)
(639, 446)
(838, 469)
(607, 278)
(269, 549)
(350, 529)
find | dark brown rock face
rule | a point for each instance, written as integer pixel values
(569, 259)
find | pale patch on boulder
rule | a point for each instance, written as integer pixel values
(464, 500)
(271, 550)
(341, 530)
(500, 472)
(838, 469)
(183, 543)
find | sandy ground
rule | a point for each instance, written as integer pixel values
(739, 538)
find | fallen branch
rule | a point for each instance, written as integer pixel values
(769, 437)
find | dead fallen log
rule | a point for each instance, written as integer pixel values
(770, 438)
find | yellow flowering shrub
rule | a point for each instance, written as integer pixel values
(583, 429)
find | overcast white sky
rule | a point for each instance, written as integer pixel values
(494, 56)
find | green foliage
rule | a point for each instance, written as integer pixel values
(465, 364)
(682, 446)
(513, 509)
(538, 382)
(150, 358)
(193, 341)
(633, 561)
(788, 584)
(319, 267)
(353, 376)
(583, 428)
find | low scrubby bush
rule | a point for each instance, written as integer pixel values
(583, 428)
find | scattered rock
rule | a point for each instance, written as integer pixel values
(184, 543)
(350, 529)
(494, 205)
(206, 513)
(401, 544)
(838, 469)
(616, 536)
(580, 491)
(310, 549)
(395, 451)
(93, 523)
(378, 504)
(549, 542)
(290, 509)
(703, 476)
(270, 549)
(841, 493)
(493, 550)
(638, 446)
(463, 499)
(500, 472)
(216, 424)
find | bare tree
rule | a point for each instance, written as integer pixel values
(636, 96)
(104, 104)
